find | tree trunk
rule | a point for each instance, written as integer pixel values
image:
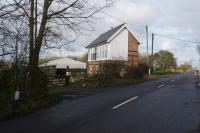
(36, 79)
(37, 84)
(31, 46)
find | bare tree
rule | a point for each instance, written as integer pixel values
(45, 18)
(13, 34)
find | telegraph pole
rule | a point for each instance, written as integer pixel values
(147, 34)
(152, 49)
(147, 39)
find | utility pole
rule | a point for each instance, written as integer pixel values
(147, 34)
(152, 49)
(147, 39)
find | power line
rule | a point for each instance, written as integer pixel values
(112, 17)
(141, 27)
(165, 36)
(178, 39)
(134, 26)
(121, 21)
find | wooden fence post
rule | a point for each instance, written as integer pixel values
(67, 76)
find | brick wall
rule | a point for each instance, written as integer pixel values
(94, 66)
(132, 50)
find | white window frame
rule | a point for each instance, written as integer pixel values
(102, 53)
(92, 52)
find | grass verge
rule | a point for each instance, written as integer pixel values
(26, 106)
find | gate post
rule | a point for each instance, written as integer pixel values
(68, 74)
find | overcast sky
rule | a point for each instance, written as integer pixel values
(176, 18)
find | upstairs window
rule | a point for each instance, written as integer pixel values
(99, 53)
(106, 51)
(103, 52)
(93, 54)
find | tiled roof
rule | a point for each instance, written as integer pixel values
(105, 36)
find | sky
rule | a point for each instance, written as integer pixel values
(174, 18)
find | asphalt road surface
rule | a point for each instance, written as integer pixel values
(168, 105)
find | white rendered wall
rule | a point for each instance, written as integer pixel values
(119, 46)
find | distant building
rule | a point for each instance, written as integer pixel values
(60, 65)
(117, 44)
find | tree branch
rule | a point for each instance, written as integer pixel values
(5, 54)
(18, 4)
(60, 11)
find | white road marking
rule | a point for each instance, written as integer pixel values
(161, 86)
(117, 106)
(172, 80)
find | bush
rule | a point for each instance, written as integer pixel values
(108, 70)
(137, 72)
(158, 71)
(101, 78)
(111, 69)
(8, 84)
(6, 92)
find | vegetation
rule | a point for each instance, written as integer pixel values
(117, 70)
(158, 71)
(137, 72)
(143, 58)
(37, 25)
(27, 28)
(185, 67)
(8, 106)
(164, 60)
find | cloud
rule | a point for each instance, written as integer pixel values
(134, 13)
(177, 18)
(166, 46)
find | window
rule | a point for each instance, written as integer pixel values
(93, 54)
(99, 53)
(103, 52)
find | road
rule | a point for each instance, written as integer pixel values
(168, 105)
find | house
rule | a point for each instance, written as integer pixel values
(117, 44)
(59, 66)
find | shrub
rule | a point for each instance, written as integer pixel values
(6, 92)
(158, 71)
(137, 72)
(8, 84)
(111, 69)
(108, 70)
